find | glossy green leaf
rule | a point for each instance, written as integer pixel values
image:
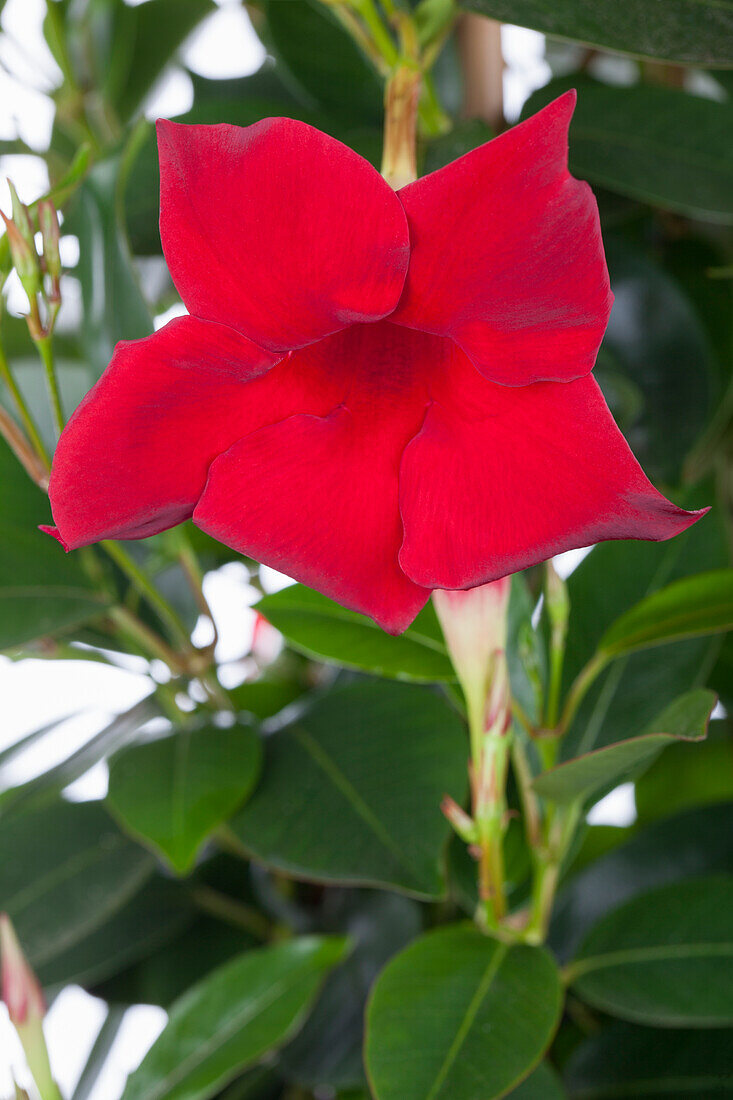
(684, 720)
(655, 144)
(459, 1016)
(543, 1084)
(707, 771)
(321, 628)
(665, 958)
(42, 590)
(351, 791)
(171, 793)
(626, 1061)
(232, 1018)
(694, 842)
(65, 870)
(702, 604)
(691, 31)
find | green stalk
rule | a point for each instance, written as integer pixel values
(45, 348)
(148, 590)
(23, 411)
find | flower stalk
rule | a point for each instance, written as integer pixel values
(402, 96)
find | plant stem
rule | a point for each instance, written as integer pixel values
(530, 802)
(45, 348)
(578, 690)
(23, 411)
(399, 158)
(146, 589)
(380, 36)
(22, 450)
(232, 911)
(560, 828)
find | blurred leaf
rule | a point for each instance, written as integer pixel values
(692, 31)
(172, 792)
(665, 958)
(324, 60)
(232, 1018)
(149, 920)
(351, 791)
(457, 1011)
(655, 144)
(264, 697)
(42, 590)
(637, 1061)
(99, 1053)
(657, 345)
(684, 720)
(65, 870)
(466, 135)
(707, 770)
(694, 842)
(695, 605)
(328, 1051)
(321, 628)
(113, 306)
(540, 1085)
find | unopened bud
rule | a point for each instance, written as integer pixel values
(21, 217)
(26, 1007)
(25, 258)
(49, 222)
(557, 602)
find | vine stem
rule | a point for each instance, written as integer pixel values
(148, 590)
(45, 349)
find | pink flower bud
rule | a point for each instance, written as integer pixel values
(21, 991)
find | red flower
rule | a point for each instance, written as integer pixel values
(377, 393)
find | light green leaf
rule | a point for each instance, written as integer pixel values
(232, 1018)
(684, 720)
(171, 793)
(321, 628)
(702, 604)
(691, 31)
(457, 1015)
(665, 958)
(351, 791)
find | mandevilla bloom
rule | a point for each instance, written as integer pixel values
(379, 393)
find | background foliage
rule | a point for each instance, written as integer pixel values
(264, 852)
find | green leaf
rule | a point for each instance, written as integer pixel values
(457, 1016)
(42, 590)
(172, 793)
(684, 720)
(696, 605)
(466, 135)
(324, 60)
(328, 1050)
(321, 628)
(65, 870)
(540, 1085)
(665, 958)
(707, 771)
(689, 31)
(351, 791)
(625, 1061)
(658, 145)
(113, 306)
(694, 842)
(232, 1018)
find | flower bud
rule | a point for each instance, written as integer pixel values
(557, 602)
(25, 258)
(49, 223)
(474, 627)
(26, 1007)
(21, 217)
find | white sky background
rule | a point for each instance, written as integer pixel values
(36, 692)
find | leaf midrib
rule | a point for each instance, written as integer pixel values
(669, 952)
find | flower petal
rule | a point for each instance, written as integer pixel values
(507, 257)
(278, 230)
(501, 478)
(316, 496)
(134, 457)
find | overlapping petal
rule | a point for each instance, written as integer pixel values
(507, 257)
(278, 230)
(134, 458)
(501, 478)
(317, 496)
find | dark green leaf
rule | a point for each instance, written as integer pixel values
(265, 697)
(328, 1050)
(65, 870)
(665, 958)
(695, 842)
(693, 31)
(540, 1085)
(321, 628)
(42, 590)
(696, 605)
(707, 771)
(459, 1016)
(171, 793)
(655, 144)
(228, 1021)
(464, 137)
(625, 1061)
(351, 791)
(686, 719)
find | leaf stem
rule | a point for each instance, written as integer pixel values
(23, 411)
(232, 911)
(148, 590)
(577, 693)
(45, 349)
